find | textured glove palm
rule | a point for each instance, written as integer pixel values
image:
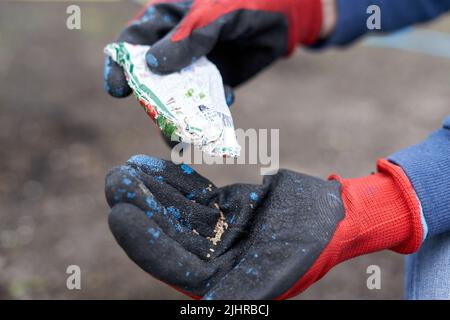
(169, 220)
(250, 241)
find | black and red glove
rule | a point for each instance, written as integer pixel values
(241, 37)
(269, 241)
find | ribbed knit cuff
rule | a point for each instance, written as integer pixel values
(305, 22)
(383, 212)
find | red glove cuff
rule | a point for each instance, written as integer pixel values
(382, 211)
(305, 22)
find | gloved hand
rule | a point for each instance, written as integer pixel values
(241, 37)
(255, 241)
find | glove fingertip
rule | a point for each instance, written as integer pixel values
(114, 81)
(159, 63)
(133, 231)
(120, 184)
(120, 91)
(166, 56)
(119, 216)
(229, 95)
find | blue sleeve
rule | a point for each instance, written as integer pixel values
(395, 14)
(427, 165)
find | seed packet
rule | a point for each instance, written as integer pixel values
(188, 106)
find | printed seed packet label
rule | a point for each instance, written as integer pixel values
(188, 106)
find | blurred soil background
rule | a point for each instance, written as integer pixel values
(337, 111)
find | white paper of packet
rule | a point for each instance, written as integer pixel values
(188, 106)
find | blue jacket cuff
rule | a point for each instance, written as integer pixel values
(395, 14)
(427, 165)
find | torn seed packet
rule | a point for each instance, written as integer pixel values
(188, 106)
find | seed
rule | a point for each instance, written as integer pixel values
(219, 229)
